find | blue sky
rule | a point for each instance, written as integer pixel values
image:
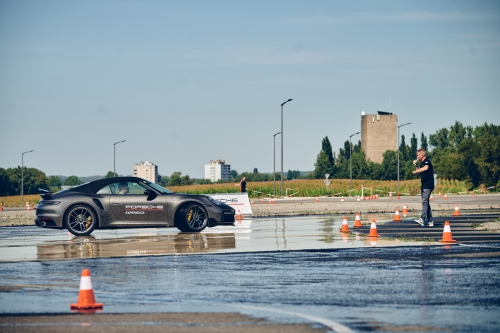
(186, 82)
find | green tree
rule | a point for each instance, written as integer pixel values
(423, 142)
(175, 179)
(413, 147)
(234, 174)
(54, 181)
(322, 165)
(327, 148)
(293, 174)
(110, 174)
(255, 170)
(389, 165)
(72, 181)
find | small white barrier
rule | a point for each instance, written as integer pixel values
(238, 201)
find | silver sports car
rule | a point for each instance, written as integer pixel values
(128, 202)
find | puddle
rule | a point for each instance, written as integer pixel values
(248, 235)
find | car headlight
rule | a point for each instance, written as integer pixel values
(212, 200)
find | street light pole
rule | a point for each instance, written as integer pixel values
(274, 163)
(114, 155)
(350, 160)
(289, 100)
(398, 152)
(22, 174)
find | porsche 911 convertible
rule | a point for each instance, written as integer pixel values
(128, 202)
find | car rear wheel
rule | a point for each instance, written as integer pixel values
(80, 220)
(194, 218)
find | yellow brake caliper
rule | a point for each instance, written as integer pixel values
(190, 215)
(89, 220)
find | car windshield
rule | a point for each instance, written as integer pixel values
(157, 187)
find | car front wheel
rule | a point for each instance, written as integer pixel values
(194, 218)
(80, 220)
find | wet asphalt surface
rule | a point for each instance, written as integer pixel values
(331, 287)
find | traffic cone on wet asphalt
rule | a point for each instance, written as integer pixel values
(447, 238)
(28, 207)
(373, 230)
(345, 227)
(342, 198)
(397, 218)
(262, 201)
(431, 198)
(439, 194)
(1, 207)
(390, 194)
(86, 298)
(405, 210)
(238, 217)
(445, 197)
(345, 237)
(251, 202)
(456, 212)
(317, 199)
(358, 198)
(474, 195)
(357, 222)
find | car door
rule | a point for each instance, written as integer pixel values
(131, 205)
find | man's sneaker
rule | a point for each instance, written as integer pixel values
(420, 221)
(431, 223)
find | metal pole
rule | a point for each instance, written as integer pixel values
(22, 175)
(274, 163)
(398, 152)
(350, 160)
(282, 143)
(114, 155)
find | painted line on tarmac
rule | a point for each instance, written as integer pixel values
(337, 327)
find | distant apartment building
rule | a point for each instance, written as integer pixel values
(147, 170)
(379, 132)
(217, 170)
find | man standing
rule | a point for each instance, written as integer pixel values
(243, 185)
(426, 172)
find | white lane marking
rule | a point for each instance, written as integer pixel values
(337, 327)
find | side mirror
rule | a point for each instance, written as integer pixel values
(151, 194)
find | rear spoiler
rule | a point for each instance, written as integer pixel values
(47, 195)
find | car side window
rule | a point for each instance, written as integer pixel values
(105, 190)
(127, 188)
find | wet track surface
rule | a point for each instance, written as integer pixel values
(287, 270)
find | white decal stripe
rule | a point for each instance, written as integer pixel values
(85, 283)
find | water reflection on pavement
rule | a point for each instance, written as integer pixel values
(248, 235)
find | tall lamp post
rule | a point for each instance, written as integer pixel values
(289, 100)
(114, 155)
(274, 163)
(22, 174)
(350, 160)
(398, 152)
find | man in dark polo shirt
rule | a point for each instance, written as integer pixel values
(426, 173)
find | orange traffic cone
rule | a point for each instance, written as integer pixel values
(456, 212)
(239, 215)
(317, 199)
(373, 230)
(399, 197)
(390, 194)
(251, 202)
(342, 199)
(345, 227)
(357, 222)
(474, 195)
(28, 206)
(86, 298)
(1, 207)
(358, 199)
(262, 201)
(397, 218)
(447, 234)
(405, 210)
(431, 198)
(445, 197)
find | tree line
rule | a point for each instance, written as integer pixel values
(459, 152)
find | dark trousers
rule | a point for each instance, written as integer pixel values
(426, 206)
